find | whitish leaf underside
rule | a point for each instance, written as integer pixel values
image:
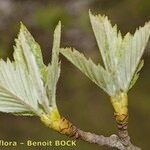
(54, 67)
(26, 83)
(95, 72)
(17, 90)
(121, 56)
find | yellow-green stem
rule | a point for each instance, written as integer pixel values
(120, 104)
(57, 123)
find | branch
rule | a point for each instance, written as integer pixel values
(112, 141)
(65, 127)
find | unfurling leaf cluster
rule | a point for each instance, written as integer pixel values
(121, 56)
(28, 86)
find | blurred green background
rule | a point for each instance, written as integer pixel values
(78, 99)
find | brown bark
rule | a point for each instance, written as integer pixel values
(122, 142)
(122, 126)
(63, 126)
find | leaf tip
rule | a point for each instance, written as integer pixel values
(58, 27)
(22, 26)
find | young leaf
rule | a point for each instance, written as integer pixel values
(34, 47)
(136, 75)
(54, 67)
(132, 52)
(17, 89)
(95, 72)
(31, 59)
(109, 40)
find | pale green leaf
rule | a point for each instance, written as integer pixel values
(31, 60)
(133, 50)
(54, 68)
(95, 72)
(136, 75)
(34, 47)
(109, 40)
(17, 90)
